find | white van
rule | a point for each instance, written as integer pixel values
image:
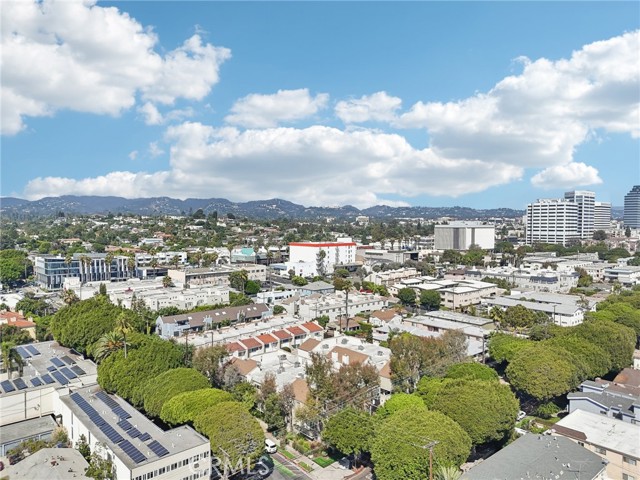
(270, 446)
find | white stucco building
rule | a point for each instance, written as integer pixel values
(318, 256)
(461, 235)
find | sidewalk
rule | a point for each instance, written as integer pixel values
(332, 472)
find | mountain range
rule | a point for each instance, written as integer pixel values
(259, 209)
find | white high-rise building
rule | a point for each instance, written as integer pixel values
(586, 211)
(552, 221)
(313, 258)
(602, 216)
(632, 208)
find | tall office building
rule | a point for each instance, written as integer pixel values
(586, 211)
(552, 221)
(602, 216)
(632, 208)
(461, 235)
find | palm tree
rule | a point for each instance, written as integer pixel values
(107, 344)
(10, 356)
(123, 326)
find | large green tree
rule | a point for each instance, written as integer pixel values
(349, 431)
(149, 357)
(407, 296)
(210, 362)
(430, 299)
(503, 347)
(13, 266)
(400, 401)
(167, 385)
(616, 339)
(399, 449)
(472, 370)
(543, 371)
(486, 410)
(185, 407)
(595, 360)
(233, 433)
(81, 324)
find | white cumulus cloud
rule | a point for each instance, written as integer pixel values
(75, 55)
(379, 107)
(263, 111)
(571, 175)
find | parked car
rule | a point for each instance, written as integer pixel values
(270, 446)
(521, 415)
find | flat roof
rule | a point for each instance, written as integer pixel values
(174, 441)
(606, 432)
(27, 429)
(47, 364)
(539, 456)
(457, 317)
(50, 463)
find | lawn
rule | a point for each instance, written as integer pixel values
(326, 459)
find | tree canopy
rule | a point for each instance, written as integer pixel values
(184, 407)
(616, 339)
(350, 431)
(503, 347)
(13, 266)
(398, 449)
(471, 370)
(407, 296)
(543, 371)
(430, 299)
(81, 324)
(400, 401)
(485, 409)
(148, 357)
(167, 385)
(231, 431)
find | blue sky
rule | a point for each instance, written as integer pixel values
(481, 104)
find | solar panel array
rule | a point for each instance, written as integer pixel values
(112, 434)
(36, 382)
(77, 370)
(66, 359)
(133, 453)
(23, 353)
(7, 386)
(157, 448)
(33, 350)
(19, 383)
(47, 379)
(68, 373)
(110, 402)
(121, 412)
(57, 362)
(59, 377)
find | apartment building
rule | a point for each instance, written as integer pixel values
(586, 202)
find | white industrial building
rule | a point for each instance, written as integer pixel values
(462, 235)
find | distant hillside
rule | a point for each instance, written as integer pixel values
(617, 213)
(259, 209)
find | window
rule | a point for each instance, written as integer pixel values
(601, 451)
(629, 460)
(626, 476)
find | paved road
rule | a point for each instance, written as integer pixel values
(285, 469)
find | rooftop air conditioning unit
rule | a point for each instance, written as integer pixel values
(360, 347)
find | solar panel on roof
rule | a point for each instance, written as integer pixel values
(59, 377)
(36, 382)
(91, 412)
(33, 350)
(68, 373)
(7, 386)
(23, 353)
(133, 453)
(125, 425)
(145, 436)
(133, 433)
(19, 383)
(57, 362)
(110, 402)
(77, 370)
(111, 433)
(121, 412)
(157, 448)
(47, 379)
(67, 360)
(51, 368)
